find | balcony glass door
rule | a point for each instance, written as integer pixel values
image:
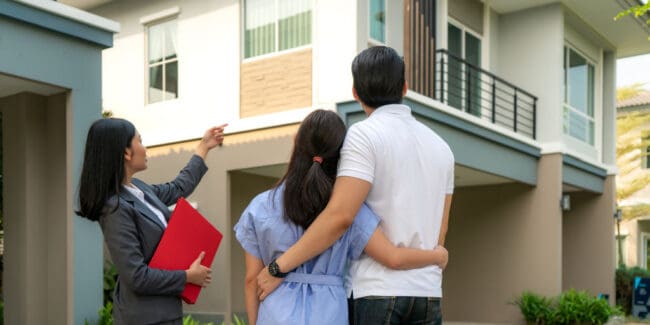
(464, 80)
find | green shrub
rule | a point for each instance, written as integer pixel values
(534, 308)
(188, 320)
(571, 307)
(625, 286)
(110, 279)
(238, 321)
(105, 315)
(2, 312)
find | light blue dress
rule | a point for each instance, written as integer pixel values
(313, 293)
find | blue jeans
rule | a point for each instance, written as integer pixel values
(395, 310)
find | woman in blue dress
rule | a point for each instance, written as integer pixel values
(313, 293)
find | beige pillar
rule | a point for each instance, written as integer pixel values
(502, 240)
(35, 209)
(589, 244)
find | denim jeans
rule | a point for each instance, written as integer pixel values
(395, 310)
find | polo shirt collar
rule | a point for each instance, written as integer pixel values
(397, 109)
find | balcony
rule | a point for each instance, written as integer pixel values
(471, 89)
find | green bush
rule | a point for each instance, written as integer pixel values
(188, 320)
(2, 312)
(535, 308)
(571, 307)
(110, 279)
(625, 286)
(105, 315)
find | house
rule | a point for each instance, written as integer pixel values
(634, 237)
(50, 92)
(523, 91)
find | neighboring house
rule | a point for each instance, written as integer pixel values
(523, 91)
(50, 92)
(635, 233)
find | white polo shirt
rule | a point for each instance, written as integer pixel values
(411, 170)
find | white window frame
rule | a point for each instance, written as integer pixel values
(276, 51)
(645, 152)
(148, 23)
(565, 105)
(643, 252)
(372, 41)
(464, 29)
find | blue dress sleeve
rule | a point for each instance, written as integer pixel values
(246, 235)
(362, 228)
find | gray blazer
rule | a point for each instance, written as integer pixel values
(132, 232)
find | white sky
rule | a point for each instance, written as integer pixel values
(633, 69)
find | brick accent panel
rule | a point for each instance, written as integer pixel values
(276, 84)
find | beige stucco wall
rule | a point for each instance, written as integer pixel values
(36, 217)
(277, 83)
(468, 13)
(502, 240)
(588, 261)
(220, 202)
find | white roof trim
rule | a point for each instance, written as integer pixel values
(81, 16)
(173, 11)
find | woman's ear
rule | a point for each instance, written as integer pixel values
(128, 153)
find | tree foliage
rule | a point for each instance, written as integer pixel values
(636, 11)
(631, 143)
(629, 91)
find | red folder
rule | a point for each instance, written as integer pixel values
(187, 235)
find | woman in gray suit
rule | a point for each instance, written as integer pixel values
(133, 216)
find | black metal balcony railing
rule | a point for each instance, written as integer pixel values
(469, 88)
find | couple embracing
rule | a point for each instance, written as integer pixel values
(358, 222)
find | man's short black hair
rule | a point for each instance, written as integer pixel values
(378, 74)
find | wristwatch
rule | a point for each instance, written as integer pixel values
(274, 270)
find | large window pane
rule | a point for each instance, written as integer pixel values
(155, 84)
(454, 67)
(170, 39)
(260, 27)
(171, 80)
(276, 25)
(473, 57)
(578, 82)
(294, 23)
(578, 96)
(156, 42)
(378, 20)
(163, 61)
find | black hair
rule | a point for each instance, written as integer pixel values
(103, 169)
(378, 75)
(308, 183)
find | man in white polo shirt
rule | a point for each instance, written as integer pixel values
(405, 173)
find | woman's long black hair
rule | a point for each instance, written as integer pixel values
(103, 172)
(308, 183)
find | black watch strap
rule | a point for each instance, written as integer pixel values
(274, 270)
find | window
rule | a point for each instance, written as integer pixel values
(578, 114)
(645, 152)
(378, 21)
(276, 25)
(644, 259)
(162, 61)
(464, 47)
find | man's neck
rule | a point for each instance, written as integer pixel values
(367, 109)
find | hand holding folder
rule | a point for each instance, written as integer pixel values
(187, 235)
